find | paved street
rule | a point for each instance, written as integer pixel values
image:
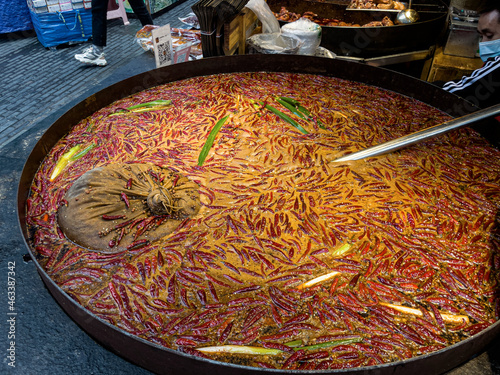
(36, 81)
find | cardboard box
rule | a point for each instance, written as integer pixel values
(66, 6)
(39, 3)
(54, 8)
(40, 10)
(87, 4)
(52, 2)
(78, 5)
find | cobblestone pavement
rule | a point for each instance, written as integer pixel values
(36, 81)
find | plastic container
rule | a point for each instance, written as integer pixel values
(274, 43)
(307, 31)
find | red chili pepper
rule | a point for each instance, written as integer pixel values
(113, 217)
(176, 179)
(293, 358)
(138, 244)
(185, 342)
(124, 198)
(129, 184)
(147, 267)
(154, 175)
(225, 333)
(122, 232)
(142, 272)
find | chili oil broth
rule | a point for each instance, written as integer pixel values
(421, 224)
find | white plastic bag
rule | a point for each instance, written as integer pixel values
(269, 22)
(274, 43)
(307, 31)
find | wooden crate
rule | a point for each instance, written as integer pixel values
(238, 30)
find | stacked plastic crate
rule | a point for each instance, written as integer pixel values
(59, 22)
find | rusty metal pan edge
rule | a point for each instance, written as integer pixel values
(167, 361)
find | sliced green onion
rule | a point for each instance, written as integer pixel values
(302, 111)
(330, 344)
(306, 112)
(290, 101)
(256, 350)
(294, 343)
(64, 160)
(210, 140)
(341, 250)
(239, 349)
(318, 280)
(286, 118)
(448, 318)
(82, 152)
(154, 103)
(89, 126)
(145, 107)
(291, 108)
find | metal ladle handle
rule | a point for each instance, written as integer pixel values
(422, 135)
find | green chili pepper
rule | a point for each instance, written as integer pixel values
(82, 152)
(154, 103)
(64, 160)
(330, 344)
(286, 118)
(210, 140)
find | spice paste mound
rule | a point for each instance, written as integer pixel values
(292, 261)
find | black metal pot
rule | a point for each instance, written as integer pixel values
(166, 361)
(369, 42)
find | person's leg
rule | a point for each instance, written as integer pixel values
(141, 12)
(94, 55)
(99, 22)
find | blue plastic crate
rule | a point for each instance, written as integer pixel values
(53, 29)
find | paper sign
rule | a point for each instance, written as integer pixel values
(162, 44)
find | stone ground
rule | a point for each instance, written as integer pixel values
(37, 85)
(36, 81)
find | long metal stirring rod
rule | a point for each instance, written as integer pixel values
(422, 135)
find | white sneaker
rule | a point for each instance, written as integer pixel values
(90, 57)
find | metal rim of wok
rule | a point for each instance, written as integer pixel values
(163, 360)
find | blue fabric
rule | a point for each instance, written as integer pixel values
(53, 29)
(14, 16)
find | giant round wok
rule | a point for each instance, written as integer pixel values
(166, 361)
